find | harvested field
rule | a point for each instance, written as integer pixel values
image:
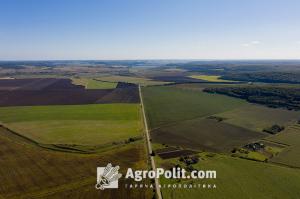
(28, 171)
(51, 97)
(205, 134)
(124, 92)
(62, 92)
(37, 84)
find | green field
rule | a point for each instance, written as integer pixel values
(167, 104)
(291, 154)
(237, 178)
(257, 117)
(75, 124)
(178, 117)
(94, 84)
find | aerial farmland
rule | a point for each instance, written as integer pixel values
(49, 123)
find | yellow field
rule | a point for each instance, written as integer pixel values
(210, 78)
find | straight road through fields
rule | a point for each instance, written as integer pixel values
(159, 196)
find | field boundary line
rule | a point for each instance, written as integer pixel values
(194, 118)
(32, 142)
(280, 143)
(283, 165)
(23, 140)
(169, 152)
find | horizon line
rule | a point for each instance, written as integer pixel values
(163, 59)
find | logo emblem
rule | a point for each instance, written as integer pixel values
(107, 177)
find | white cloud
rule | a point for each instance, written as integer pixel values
(246, 45)
(251, 43)
(255, 42)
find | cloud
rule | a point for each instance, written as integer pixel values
(246, 45)
(255, 42)
(298, 42)
(251, 43)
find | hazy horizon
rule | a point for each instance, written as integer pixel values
(144, 59)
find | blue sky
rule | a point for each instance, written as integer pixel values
(149, 29)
